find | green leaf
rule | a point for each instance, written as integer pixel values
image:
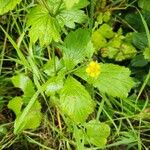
(134, 20)
(81, 4)
(70, 3)
(47, 19)
(98, 40)
(125, 51)
(144, 4)
(19, 125)
(3, 130)
(114, 80)
(25, 84)
(75, 102)
(54, 84)
(79, 137)
(32, 119)
(49, 66)
(118, 49)
(70, 17)
(106, 31)
(6, 5)
(139, 40)
(15, 105)
(147, 54)
(75, 47)
(43, 26)
(97, 133)
(139, 61)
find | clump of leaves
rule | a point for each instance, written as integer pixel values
(112, 45)
(64, 81)
(16, 104)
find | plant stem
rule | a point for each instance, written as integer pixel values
(53, 57)
(92, 5)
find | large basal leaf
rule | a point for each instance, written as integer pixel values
(113, 80)
(6, 5)
(75, 102)
(97, 133)
(43, 26)
(47, 19)
(75, 47)
(25, 84)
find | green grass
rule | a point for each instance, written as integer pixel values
(128, 118)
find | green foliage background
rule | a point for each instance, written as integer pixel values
(48, 100)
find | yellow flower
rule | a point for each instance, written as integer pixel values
(93, 69)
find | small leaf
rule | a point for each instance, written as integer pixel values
(81, 4)
(15, 104)
(3, 130)
(75, 102)
(98, 40)
(106, 31)
(6, 5)
(97, 133)
(25, 84)
(53, 85)
(70, 17)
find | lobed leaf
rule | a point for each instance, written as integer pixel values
(43, 26)
(47, 19)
